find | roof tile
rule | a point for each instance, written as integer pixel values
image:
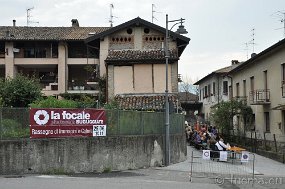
(48, 33)
(117, 55)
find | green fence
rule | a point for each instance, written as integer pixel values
(142, 123)
(14, 123)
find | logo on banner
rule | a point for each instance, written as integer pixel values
(41, 117)
(206, 154)
(223, 156)
(244, 157)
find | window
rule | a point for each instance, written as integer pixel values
(214, 88)
(209, 90)
(267, 121)
(237, 89)
(2, 49)
(265, 80)
(283, 79)
(244, 87)
(283, 71)
(225, 87)
(252, 83)
(206, 92)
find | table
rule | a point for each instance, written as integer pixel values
(235, 150)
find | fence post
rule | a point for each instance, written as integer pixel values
(251, 141)
(118, 122)
(253, 169)
(275, 143)
(255, 142)
(191, 166)
(1, 126)
(141, 123)
(264, 139)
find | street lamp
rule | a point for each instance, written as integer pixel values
(180, 30)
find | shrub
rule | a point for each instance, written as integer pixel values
(19, 91)
(13, 129)
(51, 102)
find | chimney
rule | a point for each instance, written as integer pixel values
(14, 23)
(234, 62)
(75, 23)
(253, 55)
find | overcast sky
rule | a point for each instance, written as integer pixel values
(218, 29)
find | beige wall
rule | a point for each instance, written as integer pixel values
(123, 79)
(143, 78)
(104, 47)
(62, 65)
(159, 78)
(139, 79)
(9, 60)
(271, 63)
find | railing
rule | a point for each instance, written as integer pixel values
(259, 96)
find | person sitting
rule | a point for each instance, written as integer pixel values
(220, 145)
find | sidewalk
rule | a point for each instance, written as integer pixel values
(263, 166)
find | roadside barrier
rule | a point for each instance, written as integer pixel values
(221, 164)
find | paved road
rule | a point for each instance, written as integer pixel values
(174, 176)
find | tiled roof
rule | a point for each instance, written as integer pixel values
(48, 33)
(121, 55)
(144, 102)
(187, 96)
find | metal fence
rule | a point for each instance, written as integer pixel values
(233, 168)
(14, 123)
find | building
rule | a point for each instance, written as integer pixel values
(215, 88)
(260, 80)
(69, 59)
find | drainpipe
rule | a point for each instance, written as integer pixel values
(66, 67)
(218, 90)
(231, 99)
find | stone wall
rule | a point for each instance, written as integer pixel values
(75, 155)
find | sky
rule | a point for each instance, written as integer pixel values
(219, 29)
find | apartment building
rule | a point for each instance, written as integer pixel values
(215, 88)
(70, 59)
(260, 80)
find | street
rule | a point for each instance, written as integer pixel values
(269, 174)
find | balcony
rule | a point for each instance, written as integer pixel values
(259, 97)
(88, 87)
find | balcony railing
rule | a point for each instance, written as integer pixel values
(259, 97)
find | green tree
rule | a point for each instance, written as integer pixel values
(222, 114)
(19, 91)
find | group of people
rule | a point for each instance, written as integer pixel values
(205, 137)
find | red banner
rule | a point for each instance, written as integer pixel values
(45, 123)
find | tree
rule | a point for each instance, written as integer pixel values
(19, 91)
(222, 114)
(186, 85)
